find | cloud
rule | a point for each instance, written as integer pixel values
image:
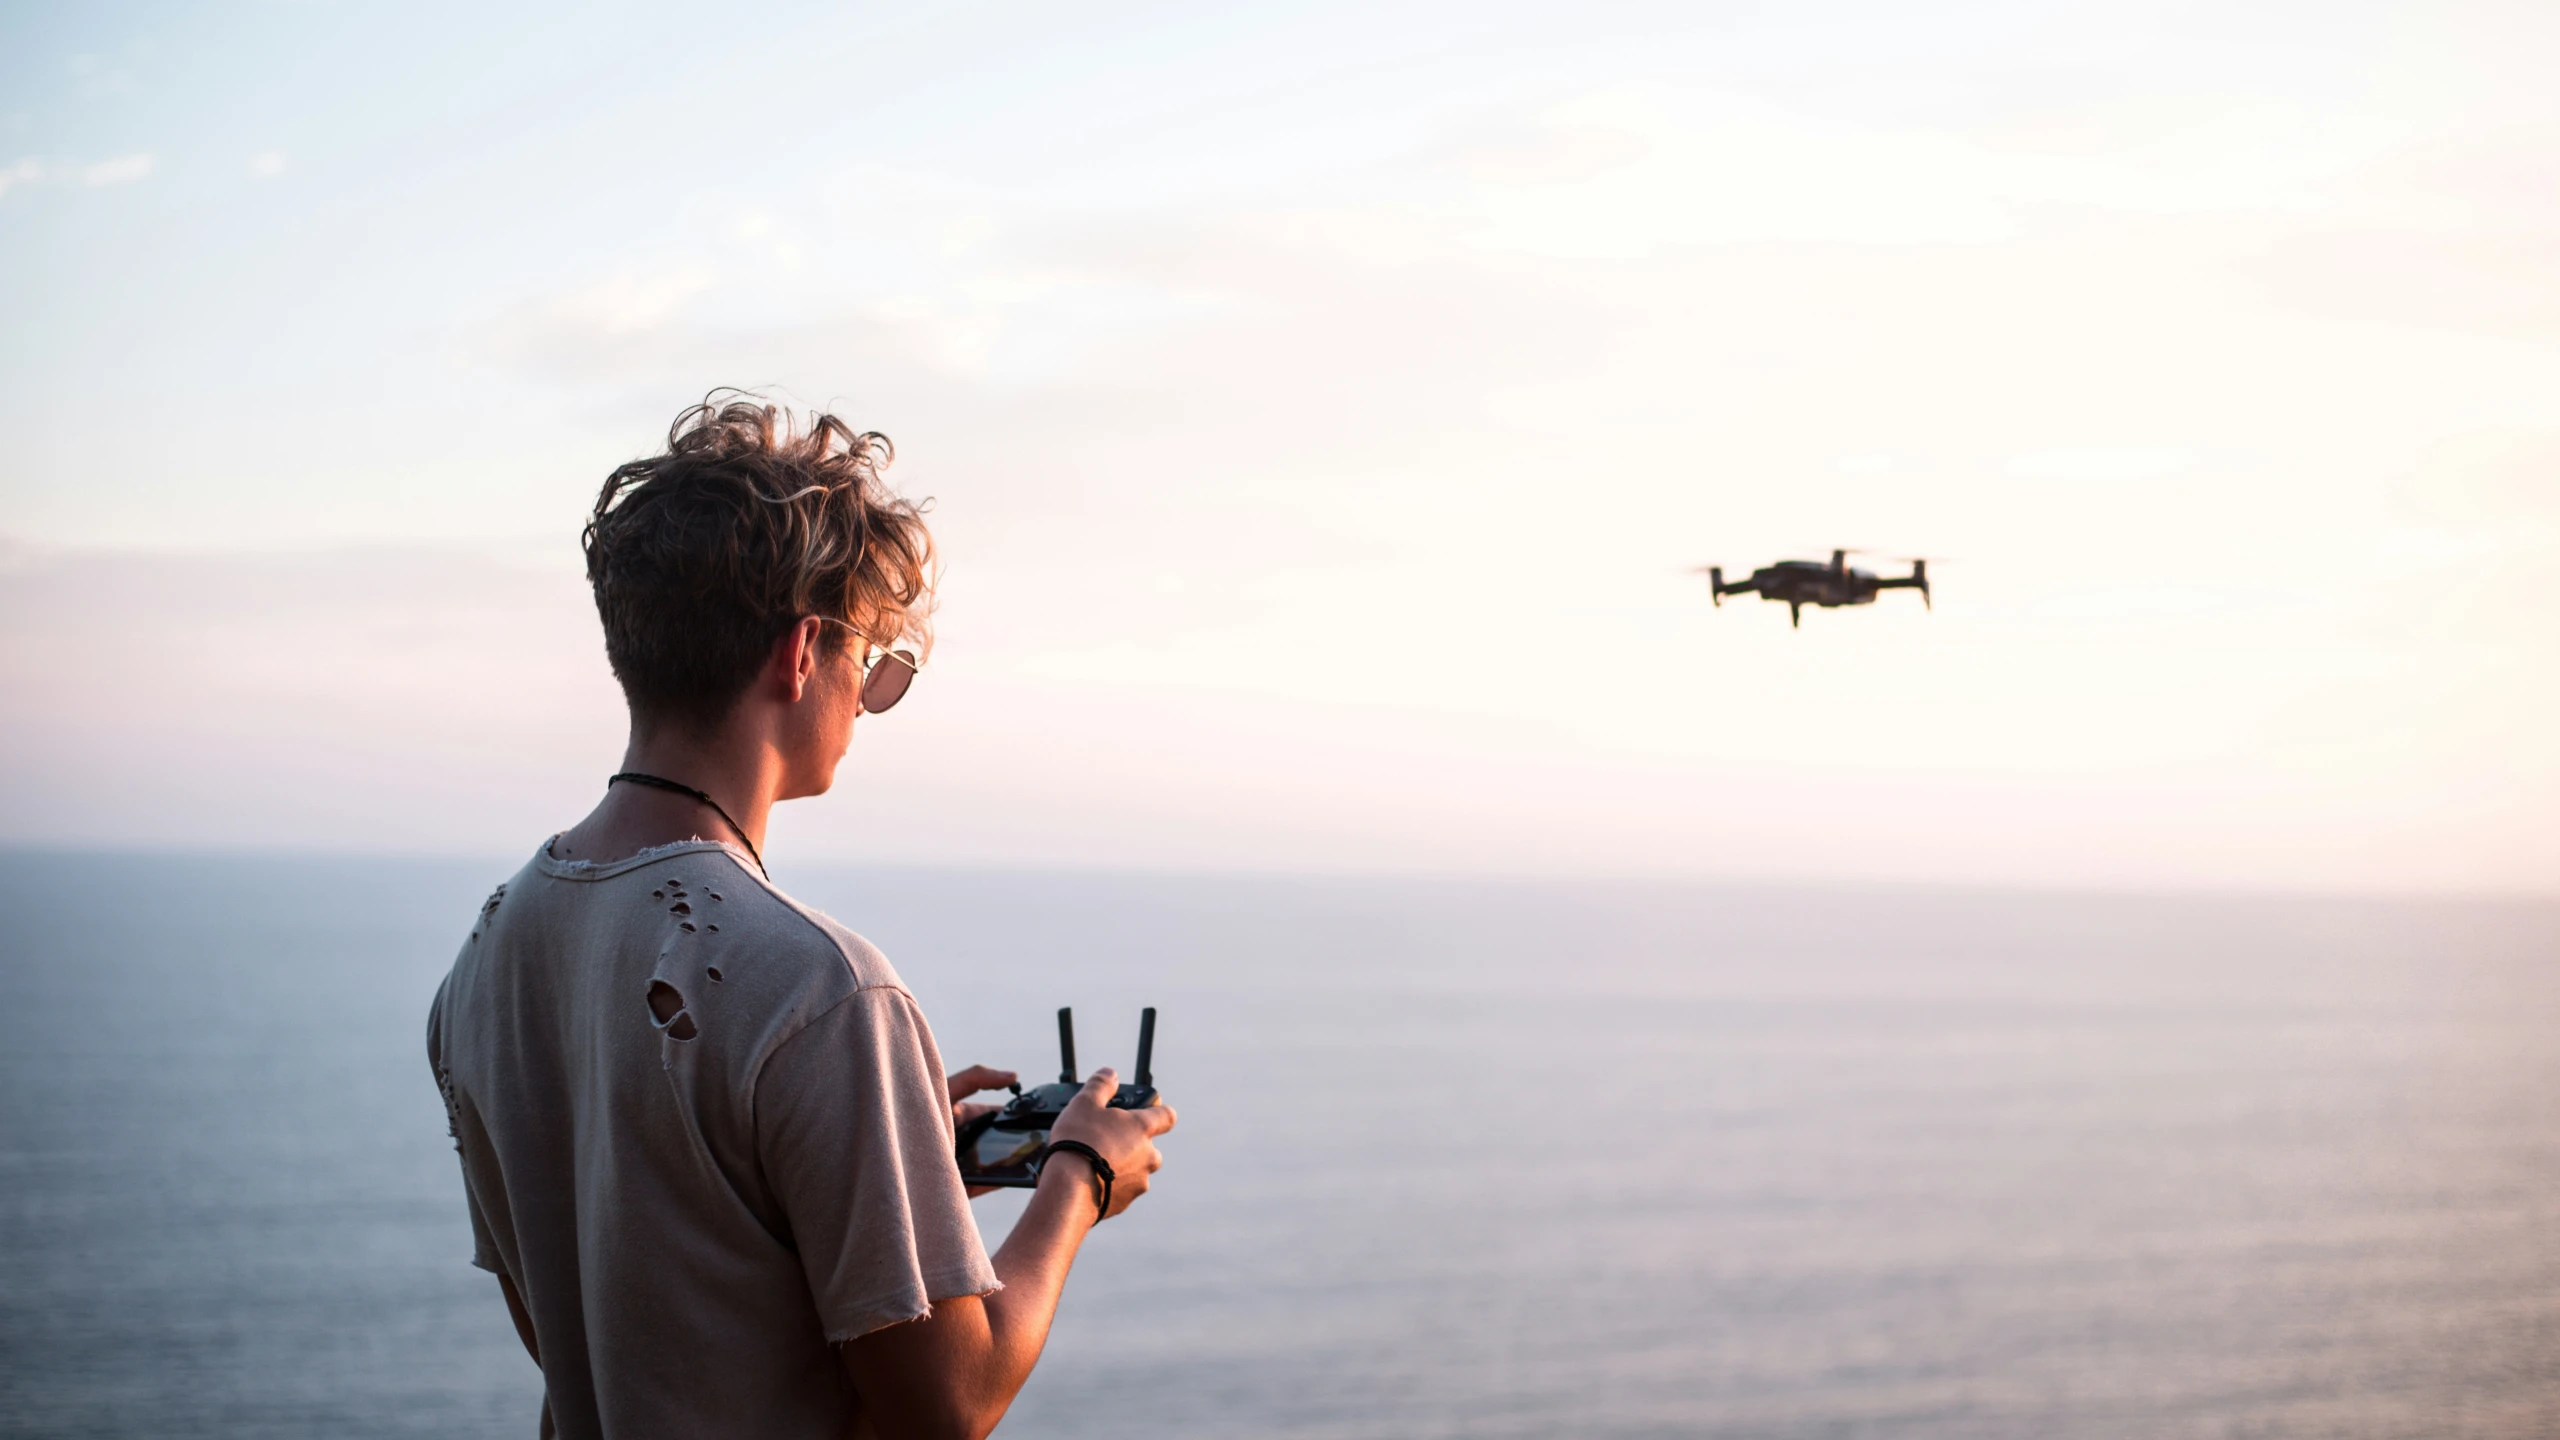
(633, 299)
(266, 164)
(122, 170)
(1625, 175)
(2101, 464)
(1618, 174)
(97, 79)
(1562, 154)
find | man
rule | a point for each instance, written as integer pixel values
(706, 1138)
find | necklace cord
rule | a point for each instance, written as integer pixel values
(659, 782)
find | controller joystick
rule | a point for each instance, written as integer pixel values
(1003, 1148)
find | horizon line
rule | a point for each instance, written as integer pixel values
(1654, 879)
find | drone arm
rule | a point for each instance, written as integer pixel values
(1918, 580)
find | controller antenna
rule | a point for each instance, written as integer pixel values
(1066, 1045)
(1147, 1046)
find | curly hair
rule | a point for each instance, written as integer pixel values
(703, 557)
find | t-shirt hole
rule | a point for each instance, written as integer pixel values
(666, 1010)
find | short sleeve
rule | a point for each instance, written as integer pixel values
(853, 1128)
(484, 1244)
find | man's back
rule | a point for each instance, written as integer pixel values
(705, 1133)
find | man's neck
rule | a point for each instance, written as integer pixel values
(743, 777)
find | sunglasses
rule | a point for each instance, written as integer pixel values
(886, 673)
(885, 678)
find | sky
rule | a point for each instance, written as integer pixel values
(1323, 408)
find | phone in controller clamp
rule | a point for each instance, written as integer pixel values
(1003, 1148)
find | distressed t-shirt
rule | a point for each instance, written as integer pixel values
(704, 1131)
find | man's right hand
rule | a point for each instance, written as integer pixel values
(1126, 1138)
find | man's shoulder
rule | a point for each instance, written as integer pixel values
(783, 968)
(807, 936)
(697, 912)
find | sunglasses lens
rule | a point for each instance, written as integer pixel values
(887, 683)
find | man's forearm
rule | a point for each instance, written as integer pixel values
(955, 1373)
(1033, 1264)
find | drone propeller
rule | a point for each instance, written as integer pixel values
(1900, 559)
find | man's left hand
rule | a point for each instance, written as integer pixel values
(975, 1080)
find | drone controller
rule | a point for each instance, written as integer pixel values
(1004, 1148)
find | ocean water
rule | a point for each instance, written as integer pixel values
(1457, 1159)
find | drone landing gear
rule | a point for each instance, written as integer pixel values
(1795, 614)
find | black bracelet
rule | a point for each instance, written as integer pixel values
(1093, 1157)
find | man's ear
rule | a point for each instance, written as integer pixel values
(796, 654)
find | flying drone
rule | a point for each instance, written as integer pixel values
(1810, 582)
